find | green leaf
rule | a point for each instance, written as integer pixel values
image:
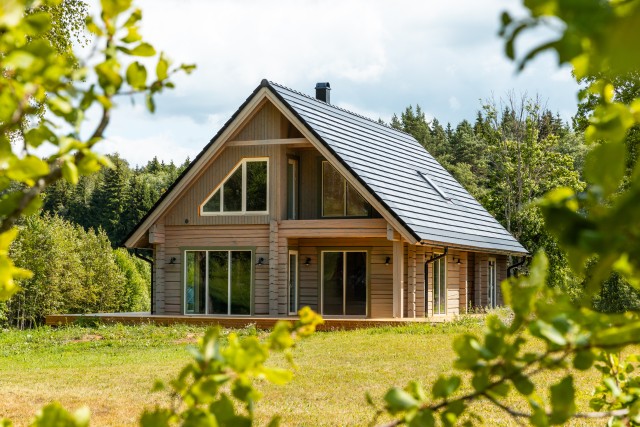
(423, 418)
(162, 68)
(605, 166)
(38, 23)
(151, 105)
(277, 376)
(562, 400)
(545, 330)
(27, 169)
(617, 335)
(132, 35)
(583, 360)
(523, 384)
(445, 387)
(399, 400)
(143, 49)
(137, 75)
(159, 417)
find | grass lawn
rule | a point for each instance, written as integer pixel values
(111, 369)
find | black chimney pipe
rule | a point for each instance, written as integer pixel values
(322, 91)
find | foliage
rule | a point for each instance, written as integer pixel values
(36, 77)
(598, 224)
(112, 199)
(203, 386)
(74, 271)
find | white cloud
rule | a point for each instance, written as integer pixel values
(379, 56)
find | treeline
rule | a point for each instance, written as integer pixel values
(74, 271)
(71, 247)
(114, 199)
(515, 151)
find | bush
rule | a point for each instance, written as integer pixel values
(74, 271)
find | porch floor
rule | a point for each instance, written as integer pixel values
(261, 322)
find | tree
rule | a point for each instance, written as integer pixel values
(38, 75)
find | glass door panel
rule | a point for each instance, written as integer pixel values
(332, 283)
(240, 282)
(195, 280)
(356, 284)
(218, 282)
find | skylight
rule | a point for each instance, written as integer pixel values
(435, 186)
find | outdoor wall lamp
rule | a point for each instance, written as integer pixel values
(172, 260)
(387, 260)
(307, 261)
(260, 261)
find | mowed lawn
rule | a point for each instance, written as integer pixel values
(111, 369)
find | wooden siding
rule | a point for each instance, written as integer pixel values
(158, 268)
(309, 163)
(187, 209)
(266, 123)
(369, 227)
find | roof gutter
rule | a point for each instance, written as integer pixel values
(516, 265)
(150, 261)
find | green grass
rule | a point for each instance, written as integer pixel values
(111, 369)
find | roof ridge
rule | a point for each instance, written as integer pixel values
(340, 108)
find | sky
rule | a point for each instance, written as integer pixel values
(379, 56)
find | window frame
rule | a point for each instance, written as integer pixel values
(294, 214)
(433, 284)
(345, 209)
(206, 250)
(492, 279)
(242, 164)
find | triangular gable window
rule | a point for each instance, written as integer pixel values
(244, 190)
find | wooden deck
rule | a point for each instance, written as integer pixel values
(229, 321)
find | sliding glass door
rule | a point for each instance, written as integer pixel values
(218, 282)
(344, 283)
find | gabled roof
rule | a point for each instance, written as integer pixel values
(407, 181)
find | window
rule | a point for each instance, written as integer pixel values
(293, 282)
(440, 286)
(344, 283)
(218, 282)
(339, 198)
(492, 288)
(292, 189)
(245, 190)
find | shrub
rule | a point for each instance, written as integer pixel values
(74, 271)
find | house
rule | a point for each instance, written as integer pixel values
(296, 202)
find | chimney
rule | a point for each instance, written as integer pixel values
(322, 91)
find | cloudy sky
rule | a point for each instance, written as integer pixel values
(379, 56)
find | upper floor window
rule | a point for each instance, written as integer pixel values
(244, 190)
(339, 198)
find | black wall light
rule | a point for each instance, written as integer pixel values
(387, 260)
(307, 261)
(172, 260)
(260, 261)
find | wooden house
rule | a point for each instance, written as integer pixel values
(296, 202)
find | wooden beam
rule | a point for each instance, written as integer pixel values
(301, 142)
(392, 234)
(156, 233)
(398, 278)
(411, 277)
(273, 268)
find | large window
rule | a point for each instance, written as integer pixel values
(440, 286)
(245, 190)
(218, 282)
(344, 283)
(339, 198)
